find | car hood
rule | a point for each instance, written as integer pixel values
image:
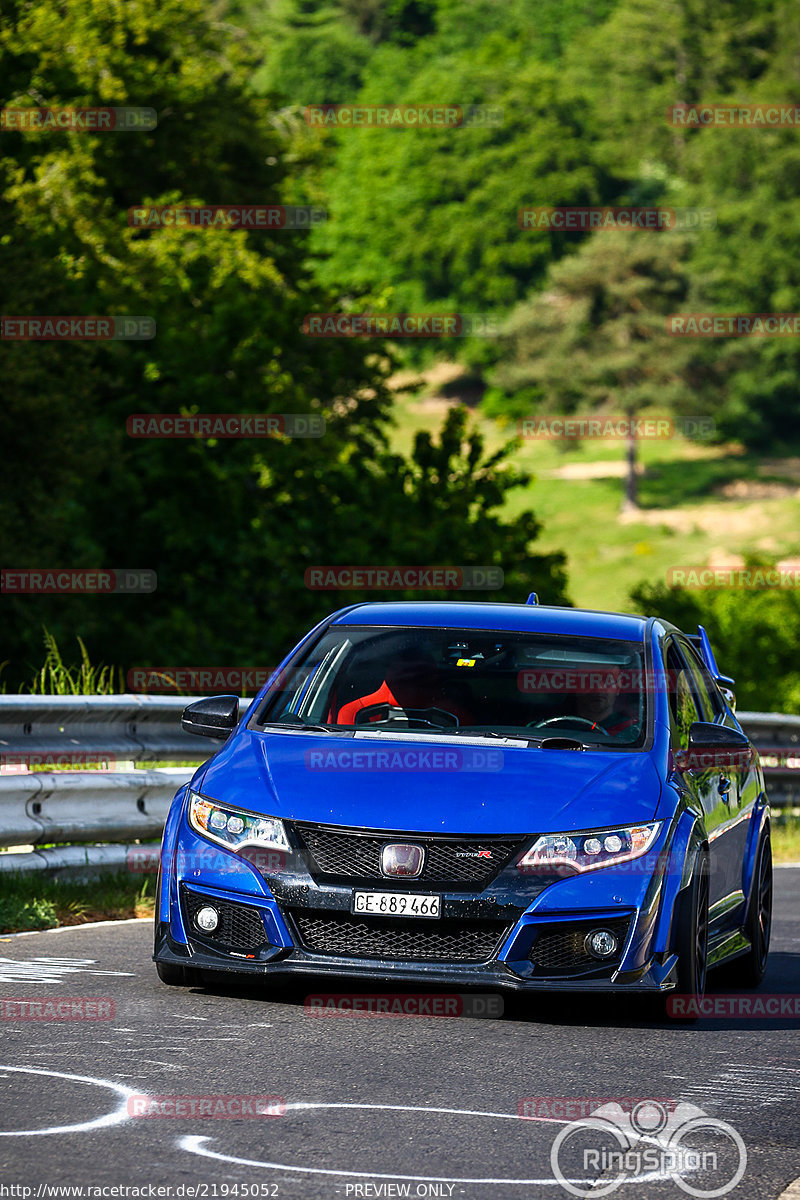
(491, 788)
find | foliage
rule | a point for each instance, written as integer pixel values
(754, 634)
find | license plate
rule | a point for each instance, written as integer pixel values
(397, 904)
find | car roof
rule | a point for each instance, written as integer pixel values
(518, 618)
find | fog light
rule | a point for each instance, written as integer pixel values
(601, 943)
(207, 919)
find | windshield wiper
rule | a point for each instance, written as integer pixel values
(290, 721)
(561, 743)
(490, 733)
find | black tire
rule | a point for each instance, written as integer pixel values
(749, 970)
(176, 976)
(691, 939)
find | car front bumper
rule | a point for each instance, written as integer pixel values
(524, 914)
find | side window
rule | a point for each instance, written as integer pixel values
(683, 705)
(704, 687)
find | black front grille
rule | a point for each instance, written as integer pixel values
(341, 854)
(421, 940)
(240, 925)
(561, 950)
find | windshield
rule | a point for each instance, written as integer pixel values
(462, 681)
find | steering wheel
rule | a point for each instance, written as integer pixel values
(391, 712)
(568, 721)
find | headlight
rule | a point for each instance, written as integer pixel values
(233, 828)
(578, 852)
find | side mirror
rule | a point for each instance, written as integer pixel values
(213, 717)
(714, 747)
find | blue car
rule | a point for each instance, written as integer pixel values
(514, 796)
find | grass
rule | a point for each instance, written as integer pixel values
(786, 840)
(698, 503)
(55, 678)
(30, 902)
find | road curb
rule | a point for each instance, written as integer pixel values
(7, 937)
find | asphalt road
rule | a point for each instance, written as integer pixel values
(375, 1106)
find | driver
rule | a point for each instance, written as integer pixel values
(414, 683)
(601, 707)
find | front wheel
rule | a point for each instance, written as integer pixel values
(691, 939)
(750, 969)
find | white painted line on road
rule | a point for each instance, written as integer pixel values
(6, 937)
(792, 1192)
(50, 970)
(116, 1117)
(194, 1144)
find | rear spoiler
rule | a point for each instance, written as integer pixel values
(703, 646)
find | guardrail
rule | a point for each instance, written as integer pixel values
(119, 806)
(126, 806)
(777, 737)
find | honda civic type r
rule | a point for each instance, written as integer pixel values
(512, 795)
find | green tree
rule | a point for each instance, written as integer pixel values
(229, 526)
(754, 635)
(596, 339)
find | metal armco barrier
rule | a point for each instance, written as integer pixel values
(128, 727)
(121, 807)
(777, 737)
